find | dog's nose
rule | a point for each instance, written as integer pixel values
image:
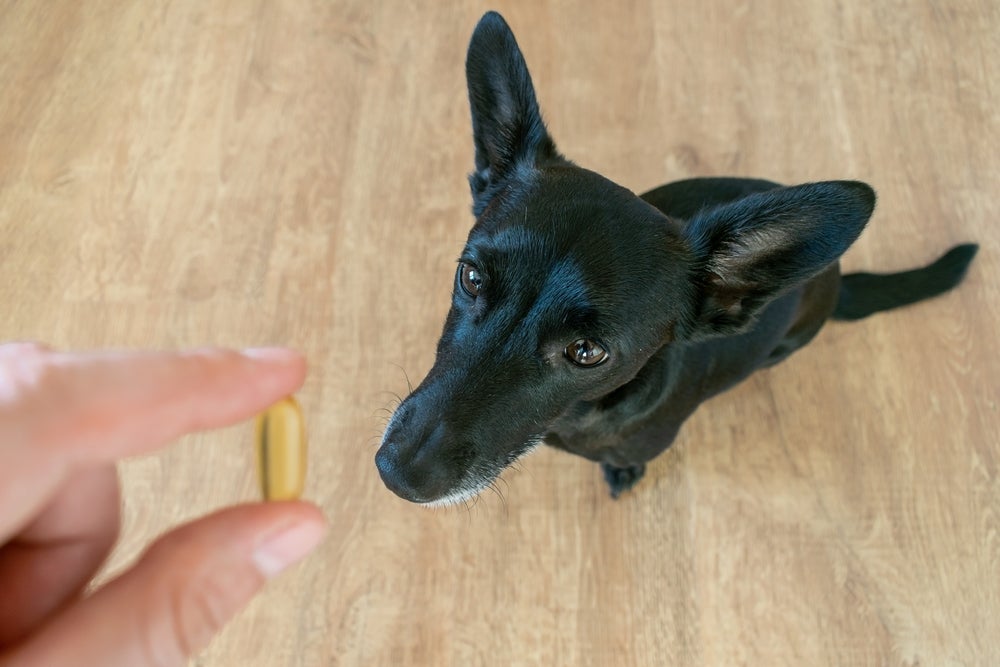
(390, 469)
(413, 473)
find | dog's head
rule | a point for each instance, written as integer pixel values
(569, 283)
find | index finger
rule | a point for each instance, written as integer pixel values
(107, 405)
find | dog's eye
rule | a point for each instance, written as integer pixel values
(585, 352)
(470, 279)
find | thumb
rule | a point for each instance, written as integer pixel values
(180, 593)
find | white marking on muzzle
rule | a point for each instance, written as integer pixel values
(475, 481)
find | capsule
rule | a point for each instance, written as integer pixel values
(281, 451)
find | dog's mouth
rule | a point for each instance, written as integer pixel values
(482, 476)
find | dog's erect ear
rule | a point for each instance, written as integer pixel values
(506, 123)
(749, 251)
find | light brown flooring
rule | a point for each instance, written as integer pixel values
(233, 173)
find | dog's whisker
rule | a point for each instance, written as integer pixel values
(503, 501)
(394, 395)
(406, 376)
(506, 485)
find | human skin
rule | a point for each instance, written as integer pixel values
(65, 421)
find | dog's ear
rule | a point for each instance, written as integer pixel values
(506, 123)
(749, 251)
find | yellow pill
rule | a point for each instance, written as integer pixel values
(281, 451)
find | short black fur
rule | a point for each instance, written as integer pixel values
(689, 289)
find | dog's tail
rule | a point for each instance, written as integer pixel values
(862, 294)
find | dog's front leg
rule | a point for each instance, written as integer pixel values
(625, 466)
(621, 480)
(623, 432)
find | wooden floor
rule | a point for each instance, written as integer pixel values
(231, 173)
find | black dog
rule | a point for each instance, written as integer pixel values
(596, 321)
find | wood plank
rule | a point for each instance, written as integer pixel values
(294, 173)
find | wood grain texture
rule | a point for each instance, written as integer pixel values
(237, 173)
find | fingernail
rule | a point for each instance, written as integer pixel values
(288, 546)
(270, 353)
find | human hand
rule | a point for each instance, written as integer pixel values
(65, 419)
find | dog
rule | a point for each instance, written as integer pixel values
(596, 321)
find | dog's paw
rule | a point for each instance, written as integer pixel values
(622, 479)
